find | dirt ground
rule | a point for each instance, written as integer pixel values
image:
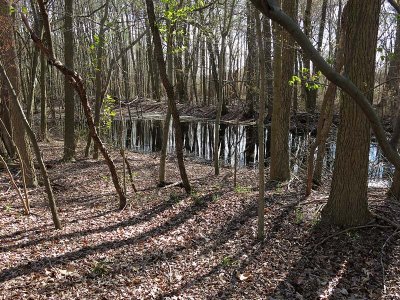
(168, 245)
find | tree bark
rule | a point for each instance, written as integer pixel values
(170, 94)
(69, 93)
(280, 170)
(8, 57)
(347, 204)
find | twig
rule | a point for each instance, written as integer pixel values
(172, 185)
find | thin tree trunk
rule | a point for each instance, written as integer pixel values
(324, 121)
(99, 73)
(80, 89)
(31, 134)
(261, 139)
(69, 93)
(170, 94)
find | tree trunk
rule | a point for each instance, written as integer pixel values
(251, 71)
(306, 72)
(43, 99)
(261, 139)
(20, 113)
(77, 82)
(99, 73)
(69, 93)
(227, 18)
(283, 71)
(8, 58)
(347, 204)
(170, 94)
(325, 119)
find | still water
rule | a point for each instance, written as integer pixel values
(145, 136)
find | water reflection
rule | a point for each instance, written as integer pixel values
(145, 136)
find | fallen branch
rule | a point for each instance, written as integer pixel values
(349, 229)
(172, 185)
(387, 220)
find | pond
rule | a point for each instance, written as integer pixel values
(144, 135)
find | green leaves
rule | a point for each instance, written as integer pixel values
(294, 80)
(108, 111)
(311, 81)
(12, 10)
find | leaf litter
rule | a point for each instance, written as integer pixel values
(169, 245)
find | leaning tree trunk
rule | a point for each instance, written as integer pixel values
(170, 94)
(32, 137)
(347, 204)
(325, 120)
(77, 83)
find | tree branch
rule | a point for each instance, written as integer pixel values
(274, 13)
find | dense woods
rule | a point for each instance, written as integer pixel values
(200, 149)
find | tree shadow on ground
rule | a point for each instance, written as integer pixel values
(168, 225)
(345, 266)
(341, 264)
(251, 251)
(142, 217)
(135, 264)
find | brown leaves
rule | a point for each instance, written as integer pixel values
(197, 247)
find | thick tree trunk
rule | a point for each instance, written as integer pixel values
(8, 57)
(280, 170)
(347, 204)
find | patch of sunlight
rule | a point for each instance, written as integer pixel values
(328, 292)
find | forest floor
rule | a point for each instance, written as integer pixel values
(167, 245)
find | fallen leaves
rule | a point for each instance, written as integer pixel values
(196, 247)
